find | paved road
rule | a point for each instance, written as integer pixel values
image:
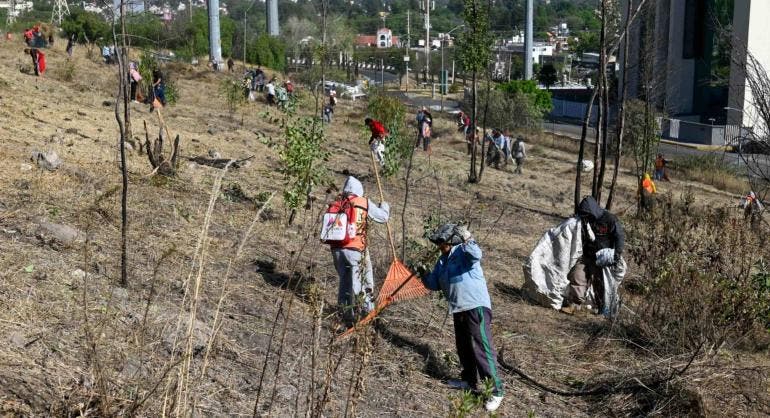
(669, 150)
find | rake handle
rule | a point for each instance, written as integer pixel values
(382, 199)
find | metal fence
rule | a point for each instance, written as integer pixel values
(572, 110)
(700, 133)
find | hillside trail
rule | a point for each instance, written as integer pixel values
(67, 331)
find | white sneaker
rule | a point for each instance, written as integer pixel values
(493, 403)
(458, 384)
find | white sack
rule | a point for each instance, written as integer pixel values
(546, 269)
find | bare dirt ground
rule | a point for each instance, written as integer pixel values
(74, 342)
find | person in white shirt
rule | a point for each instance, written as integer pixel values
(271, 92)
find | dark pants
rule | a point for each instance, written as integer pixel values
(473, 337)
(519, 164)
(133, 89)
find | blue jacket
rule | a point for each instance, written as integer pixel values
(459, 276)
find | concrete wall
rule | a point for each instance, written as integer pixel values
(691, 132)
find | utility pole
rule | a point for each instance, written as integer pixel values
(408, 46)
(528, 40)
(272, 18)
(215, 43)
(427, 5)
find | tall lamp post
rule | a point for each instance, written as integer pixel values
(244, 31)
(444, 78)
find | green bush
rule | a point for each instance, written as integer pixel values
(267, 51)
(147, 65)
(399, 144)
(301, 155)
(88, 27)
(234, 93)
(528, 89)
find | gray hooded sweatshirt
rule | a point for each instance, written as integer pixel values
(379, 214)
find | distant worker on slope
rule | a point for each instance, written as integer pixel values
(459, 276)
(752, 208)
(647, 192)
(344, 228)
(377, 140)
(660, 168)
(158, 91)
(519, 153)
(38, 61)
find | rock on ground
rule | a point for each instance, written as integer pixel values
(46, 160)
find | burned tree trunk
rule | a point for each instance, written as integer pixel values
(161, 165)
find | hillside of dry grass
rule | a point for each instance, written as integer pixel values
(203, 326)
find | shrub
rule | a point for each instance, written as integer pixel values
(399, 144)
(704, 277)
(147, 65)
(234, 93)
(300, 155)
(66, 71)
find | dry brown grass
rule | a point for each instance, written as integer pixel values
(52, 367)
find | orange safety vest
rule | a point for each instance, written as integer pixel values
(648, 185)
(361, 210)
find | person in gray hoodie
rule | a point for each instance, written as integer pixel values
(352, 261)
(459, 276)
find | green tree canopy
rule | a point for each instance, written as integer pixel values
(547, 75)
(86, 26)
(528, 88)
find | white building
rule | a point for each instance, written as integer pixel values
(682, 51)
(19, 6)
(384, 38)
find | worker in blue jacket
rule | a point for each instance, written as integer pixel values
(459, 276)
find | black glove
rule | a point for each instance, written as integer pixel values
(419, 269)
(616, 258)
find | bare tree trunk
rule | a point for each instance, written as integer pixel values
(483, 132)
(581, 151)
(605, 130)
(472, 176)
(124, 127)
(600, 123)
(621, 111)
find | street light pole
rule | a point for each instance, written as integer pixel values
(244, 32)
(443, 79)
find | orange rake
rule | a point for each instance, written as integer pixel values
(398, 284)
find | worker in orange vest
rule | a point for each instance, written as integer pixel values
(351, 258)
(647, 192)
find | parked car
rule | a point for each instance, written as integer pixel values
(750, 145)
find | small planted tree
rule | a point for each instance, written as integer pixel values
(301, 156)
(398, 145)
(474, 52)
(234, 94)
